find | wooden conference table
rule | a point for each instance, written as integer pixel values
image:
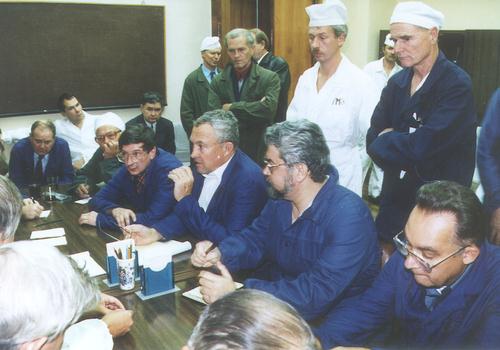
(163, 322)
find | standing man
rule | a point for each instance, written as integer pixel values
(194, 100)
(151, 111)
(40, 156)
(221, 196)
(77, 128)
(380, 71)
(246, 89)
(277, 64)
(140, 191)
(488, 162)
(440, 291)
(335, 94)
(424, 127)
(315, 243)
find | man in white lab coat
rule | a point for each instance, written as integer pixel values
(335, 94)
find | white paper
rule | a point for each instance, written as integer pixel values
(88, 264)
(83, 201)
(157, 255)
(195, 293)
(45, 213)
(54, 242)
(53, 232)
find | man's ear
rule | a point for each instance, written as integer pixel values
(34, 344)
(152, 153)
(470, 254)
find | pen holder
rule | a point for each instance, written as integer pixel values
(153, 282)
(126, 273)
(112, 269)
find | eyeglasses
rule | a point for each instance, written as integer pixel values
(110, 135)
(270, 166)
(402, 246)
(134, 156)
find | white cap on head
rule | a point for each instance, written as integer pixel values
(418, 14)
(329, 13)
(110, 118)
(210, 43)
(388, 41)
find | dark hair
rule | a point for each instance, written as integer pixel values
(451, 197)
(64, 97)
(301, 141)
(44, 124)
(152, 97)
(260, 37)
(138, 134)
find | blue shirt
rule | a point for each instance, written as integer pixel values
(206, 72)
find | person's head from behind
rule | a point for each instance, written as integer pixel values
(295, 151)
(152, 106)
(42, 136)
(443, 234)
(137, 148)
(10, 209)
(251, 319)
(215, 137)
(41, 294)
(240, 44)
(70, 107)
(108, 128)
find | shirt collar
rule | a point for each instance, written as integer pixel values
(217, 173)
(260, 59)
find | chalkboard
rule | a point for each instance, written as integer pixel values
(107, 55)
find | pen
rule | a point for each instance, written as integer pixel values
(32, 200)
(48, 223)
(118, 253)
(210, 248)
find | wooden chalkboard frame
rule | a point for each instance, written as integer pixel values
(107, 55)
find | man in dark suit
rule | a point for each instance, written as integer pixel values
(152, 109)
(277, 64)
(40, 156)
(223, 192)
(246, 89)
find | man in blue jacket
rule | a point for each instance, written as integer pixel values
(140, 191)
(221, 196)
(424, 127)
(41, 156)
(439, 291)
(315, 243)
(488, 162)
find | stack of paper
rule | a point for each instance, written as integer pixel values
(195, 293)
(88, 264)
(53, 237)
(158, 254)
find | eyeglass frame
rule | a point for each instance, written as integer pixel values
(135, 156)
(270, 166)
(402, 248)
(107, 135)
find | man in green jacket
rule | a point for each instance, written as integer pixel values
(194, 100)
(246, 89)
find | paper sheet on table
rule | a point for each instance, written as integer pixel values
(45, 213)
(158, 254)
(88, 264)
(54, 242)
(53, 232)
(195, 293)
(83, 201)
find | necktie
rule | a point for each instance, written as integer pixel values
(433, 296)
(139, 182)
(39, 170)
(212, 75)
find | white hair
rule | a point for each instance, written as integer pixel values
(10, 209)
(41, 293)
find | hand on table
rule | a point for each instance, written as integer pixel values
(183, 182)
(141, 234)
(118, 322)
(213, 286)
(89, 218)
(123, 217)
(200, 258)
(82, 191)
(495, 227)
(109, 303)
(31, 209)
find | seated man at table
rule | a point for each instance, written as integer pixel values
(315, 244)
(440, 291)
(140, 192)
(117, 320)
(104, 163)
(251, 319)
(222, 196)
(40, 158)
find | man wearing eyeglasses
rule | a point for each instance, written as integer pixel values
(313, 245)
(223, 192)
(151, 111)
(439, 291)
(40, 156)
(140, 191)
(104, 163)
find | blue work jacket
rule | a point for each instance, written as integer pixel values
(329, 253)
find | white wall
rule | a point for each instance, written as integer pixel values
(187, 22)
